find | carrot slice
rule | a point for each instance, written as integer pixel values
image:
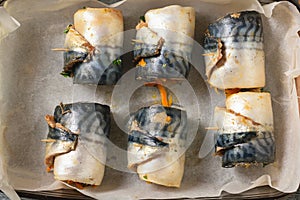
(142, 63)
(79, 185)
(49, 168)
(75, 184)
(163, 94)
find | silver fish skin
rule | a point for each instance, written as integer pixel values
(245, 134)
(78, 152)
(234, 54)
(156, 144)
(164, 43)
(100, 29)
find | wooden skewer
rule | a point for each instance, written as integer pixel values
(137, 41)
(211, 128)
(48, 140)
(60, 49)
(298, 91)
(208, 54)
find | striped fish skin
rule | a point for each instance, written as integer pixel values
(168, 65)
(89, 118)
(245, 129)
(242, 27)
(151, 120)
(99, 69)
(59, 134)
(261, 150)
(94, 70)
(161, 61)
(145, 139)
(79, 155)
(157, 135)
(234, 53)
(228, 140)
(77, 49)
(147, 43)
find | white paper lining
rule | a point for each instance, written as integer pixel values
(30, 87)
(7, 23)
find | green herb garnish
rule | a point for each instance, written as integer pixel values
(68, 28)
(84, 7)
(117, 61)
(264, 90)
(145, 177)
(65, 74)
(142, 18)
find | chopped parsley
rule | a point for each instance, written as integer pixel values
(264, 90)
(142, 18)
(65, 74)
(117, 61)
(68, 28)
(145, 177)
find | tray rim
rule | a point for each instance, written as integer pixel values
(67, 194)
(265, 192)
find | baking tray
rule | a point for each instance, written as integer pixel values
(260, 192)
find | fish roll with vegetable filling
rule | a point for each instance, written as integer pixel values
(93, 46)
(164, 43)
(234, 54)
(75, 149)
(156, 142)
(245, 130)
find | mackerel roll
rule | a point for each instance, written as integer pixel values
(93, 46)
(234, 54)
(164, 43)
(245, 130)
(157, 135)
(76, 150)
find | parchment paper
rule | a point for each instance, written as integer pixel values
(30, 87)
(7, 23)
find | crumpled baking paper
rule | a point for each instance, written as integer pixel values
(31, 87)
(8, 24)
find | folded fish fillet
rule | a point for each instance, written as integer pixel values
(234, 54)
(164, 43)
(156, 144)
(76, 149)
(93, 45)
(245, 129)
